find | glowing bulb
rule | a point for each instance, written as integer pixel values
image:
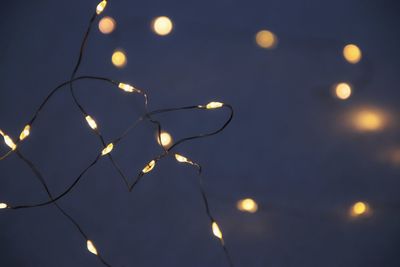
(369, 120)
(128, 88)
(166, 139)
(359, 208)
(91, 247)
(162, 25)
(3, 205)
(92, 123)
(9, 142)
(247, 205)
(343, 91)
(213, 105)
(352, 53)
(25, 133)
(107, 25)
(216, 230)
(119, 59)
(266, 39)
(107, 149)
(101, 6)
(149, 167)
(181, 158)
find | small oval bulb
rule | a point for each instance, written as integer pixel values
(181, 158)
(107, 149)
(149, 167)
(91, 247)
(213, 105)
(3, 205)
(216, 230)
(128, 88)
(92, 123)
(101, 6)
(25, 133)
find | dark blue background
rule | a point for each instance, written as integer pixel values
(285, 148)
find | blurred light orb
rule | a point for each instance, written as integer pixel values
(247, 205)
(166, 139)
(107, 25)
(343, 91)
(162, 25)
(119, 59)
(352, 53)
(359, 208)
(266, 39)
(369, 120)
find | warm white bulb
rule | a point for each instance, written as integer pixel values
(92, 123)
(25, 133)
(149, 167)
(180, 158)
(9, 142)
(128, 88)
(213, 105)
(107, 149)
(3, 205)
(216, 230)
(101, 6)
(91, 247)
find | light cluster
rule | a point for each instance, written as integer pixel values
(162, 26)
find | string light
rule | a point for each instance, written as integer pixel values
(352, 53)
(92, 123)
(166, 139)
(128, 88)
(107, 25)
(247, 205)
(3, 205)
(9, 142)
(181, 158)
(107, 149)
(149, 167)
(359, 209)
(343, 91)
(25, 132)
(213, 105)
(119, 59)
(266, 39)
(162, 25)
(101, 6)
(216, 230)
(91, 247)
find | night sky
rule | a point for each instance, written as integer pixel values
(301, 153)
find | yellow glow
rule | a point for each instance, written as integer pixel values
(101, 6)
(119, 59)
(91, 247)
(247, 205)
(107, 149)
(9, 142)
(343, 91)
(352, 53)
(359, 208)
(394, 156)
(181, 158)
(166, 139)
(92, 123)
(369, 120)
(25, 133)
(213, 105)
(162, 25)
(266, 39)
(128, 88)
(107, 25)
(216, 230)
(149, 167)
(3, 205)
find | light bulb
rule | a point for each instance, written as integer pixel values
(213, 105)
(149, 167)
(180, 158)
(3, 206)
(128, 88)
(25, 133)
(92, 123)
(101, 6)
(107, 149)
(9, 142)
(91, 247)
(216, 230)
(247, 205)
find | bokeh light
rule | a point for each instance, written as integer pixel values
(107, 25)
(162, 25)
(343, 91)
(368, 119)
(247, 205)
(266, 39)
(119, 59)
(166, 139)
(352, 53)
(359, 209)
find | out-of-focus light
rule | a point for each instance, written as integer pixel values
(91, 247)
(107, 149)
(343, 91)
(162, 25)
(119, 59)
(359, 209)
(3, 205)
(25, 132)
(107, 25)
(101, 6)
(149, 167)
(352, 53)
(216, 230)
(369, 120)
(266, 39)
(166, 139)
(247, 205)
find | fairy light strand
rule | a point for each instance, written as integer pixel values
(107, 148)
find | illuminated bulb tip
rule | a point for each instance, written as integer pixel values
(247, 205)
(25, 133)
(107, 149)
(149, 167)
(213, 105)
(128, 88)
(216, 230)
(91, 247)
(9, 142)
(180, 158)
(101, 6)
(3, 205)
(92, 123)
(359, 208)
